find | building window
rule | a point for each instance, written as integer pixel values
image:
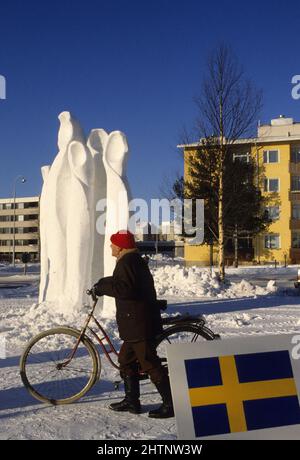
(296, 211)
(271, 185)
(295, 154)
(31, 217)
(33, 204)
(272, 241)
(271, 156)
(295, 184)
(6, 230)
(32, 230)
(7, 242)
(296, 240)
(273, 212)
(243, 157)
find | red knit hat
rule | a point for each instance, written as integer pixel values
(123, 239)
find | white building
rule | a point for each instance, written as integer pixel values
(19, 225)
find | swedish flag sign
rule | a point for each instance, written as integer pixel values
(243, 392)
(222, 394)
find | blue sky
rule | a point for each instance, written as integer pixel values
(130, 65)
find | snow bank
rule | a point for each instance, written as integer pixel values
(21, 322)
(200, 282)
(22, 319)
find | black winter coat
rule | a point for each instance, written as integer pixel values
(138, 314)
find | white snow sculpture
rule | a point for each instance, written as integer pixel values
(73, 254)
(118, 197)
(96, 144)
(53, 210)
(80, 225)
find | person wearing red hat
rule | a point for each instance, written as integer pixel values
(139, 321)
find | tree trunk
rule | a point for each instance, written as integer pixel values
(221, 197)
(221, 227)
(211, 255)
(236, 256)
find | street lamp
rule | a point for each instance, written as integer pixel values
(23, 180)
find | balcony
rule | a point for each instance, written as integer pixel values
(28, 248)
(19, 236)
(19, 212)
(20, 224)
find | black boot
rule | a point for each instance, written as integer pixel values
(166, 410)
(131, 401)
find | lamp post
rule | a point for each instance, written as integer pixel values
(22, 178)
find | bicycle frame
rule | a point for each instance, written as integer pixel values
(110, 349)
(106, 351)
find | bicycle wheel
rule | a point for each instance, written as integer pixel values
(184, 333)
(42, 374)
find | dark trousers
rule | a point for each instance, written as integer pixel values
(144, 353)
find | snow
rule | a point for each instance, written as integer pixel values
(199, 282)
(85, 176)
(239, 308)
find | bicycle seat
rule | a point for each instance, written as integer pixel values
(199, 319)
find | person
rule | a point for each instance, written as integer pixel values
(139, 321)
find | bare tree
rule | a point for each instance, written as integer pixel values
(228, 109)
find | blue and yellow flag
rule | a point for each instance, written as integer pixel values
(242, 392)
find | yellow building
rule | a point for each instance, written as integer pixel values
(276, 151)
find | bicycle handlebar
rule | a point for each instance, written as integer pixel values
(91, 292)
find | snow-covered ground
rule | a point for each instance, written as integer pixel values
(239, 308)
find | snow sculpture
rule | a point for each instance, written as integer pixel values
(96, 144)
(118, 196)
(80, 228)
(54, 203)
(74, 255)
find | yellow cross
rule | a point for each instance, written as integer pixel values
(233, 393)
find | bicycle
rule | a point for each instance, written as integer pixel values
(62, 364)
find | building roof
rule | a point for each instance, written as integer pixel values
(254, 140)
(26, 199)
